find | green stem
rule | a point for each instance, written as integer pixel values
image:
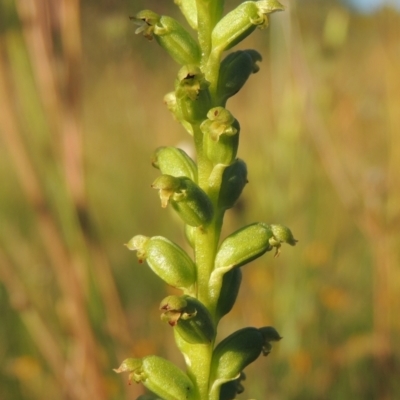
(206, 242)
(206, 239)
(199, 369)
(209, 12)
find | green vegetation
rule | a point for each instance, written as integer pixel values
(319, 130)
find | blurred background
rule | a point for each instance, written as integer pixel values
(81, 113)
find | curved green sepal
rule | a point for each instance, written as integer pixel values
(160, 376)
(170, 35)
(221, 136)
(169, 261)
(241, 22)
(234, 71)
(234, 179)
(190, 202)
(189, 317)
(174, 161)
(229, 292)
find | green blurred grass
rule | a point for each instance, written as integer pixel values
(320, 136)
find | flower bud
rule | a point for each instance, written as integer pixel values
(221, 136)
(243, 246)
(241, 22)
(169, 261)
(190, 202)
(175, 162)
(234, 71)
(229, 291)
(234, 179)
(190, 318)
(192, 96)
(160, 376)
(170, 35)
(234, 354)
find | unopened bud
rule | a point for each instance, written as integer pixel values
(173, 161)
(235, 69)
(160, 376)
(241, 22)
(170, 34)
(169, 261)
(190, 202)
(235, 353)
(189, 317)
(221, 136)
(192, 95)
(243, 246)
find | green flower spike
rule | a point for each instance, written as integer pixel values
(170, 35)
(169, 261)
(241, 22)
(160, 376)
(200, 193)
(188, 199)
(190, 318)
(221, 136)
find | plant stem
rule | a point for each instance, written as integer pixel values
(209, 12)
(199, 368)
